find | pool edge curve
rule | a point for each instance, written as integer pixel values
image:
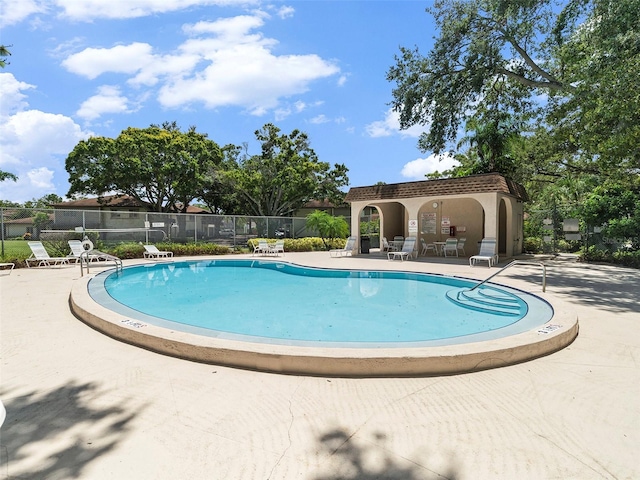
(328, 361)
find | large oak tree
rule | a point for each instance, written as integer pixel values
(285, 175)
(159, 165)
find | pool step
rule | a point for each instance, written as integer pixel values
(488, 300)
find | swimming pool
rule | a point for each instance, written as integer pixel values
(277, 316)
(285, 303)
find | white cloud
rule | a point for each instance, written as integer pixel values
(286, 12)
(107, 100)
(13, 99)
(87, 10)
(223, 63)
(319, 119)
(41, 178)
(93, 62)
(34, 144)
(14, 11)
(418, 168)
(391, 126)
(241, 70)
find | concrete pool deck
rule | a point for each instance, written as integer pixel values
(82, 405)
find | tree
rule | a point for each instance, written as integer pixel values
(507, 55)
(285, 175)
(44, 201)
(4, 53)
(7, 176)
(490, 55)
(218, 192)
(327, 225)
(597, 126)
(617, 207)
(158, 165)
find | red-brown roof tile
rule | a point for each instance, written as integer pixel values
(484, 183)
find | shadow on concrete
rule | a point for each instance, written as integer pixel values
(607, 287)
(363, 462)
(72, 433)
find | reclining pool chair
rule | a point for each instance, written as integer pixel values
(407, 250)
(151, 251)
(487, 253)
(347, 250)
(40, 256)
(77, 249)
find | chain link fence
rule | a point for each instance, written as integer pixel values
(561, 229)
(115, 226)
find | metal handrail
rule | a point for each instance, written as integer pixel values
(517, 262)
(116, 260)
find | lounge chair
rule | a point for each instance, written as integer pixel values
(406, 252)
(450, 247)
(151, 251)
(262, 248)
(347, 250)
(487, 253)
(278, 248)
(427, 246)
(77, 249)
(40, 256)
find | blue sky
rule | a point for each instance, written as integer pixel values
(96, 67)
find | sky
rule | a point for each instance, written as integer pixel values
(81, 68)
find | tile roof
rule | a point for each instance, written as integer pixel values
(115, 201)
(483, 183)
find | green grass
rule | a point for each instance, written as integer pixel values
(15, 250)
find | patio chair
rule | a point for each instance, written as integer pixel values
(40, 256)
(77, 249)
(386, 246)
(450, 246)
(151, 251)
(487, 253)
(406, 252)
(428, 246)
(262, 248)
(347, 250)
(461, 242)
(277, 248)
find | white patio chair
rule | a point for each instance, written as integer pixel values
(461, 242)
(450, 246)
(347, 250)
(427, 246)
(151, 251)
(40, 256)
(278, 248)
(487, 253)
(406, 252)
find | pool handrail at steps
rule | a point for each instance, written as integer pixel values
(516, 262)
(84, 259)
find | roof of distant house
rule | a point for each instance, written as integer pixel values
(483, 183)
(114, 201)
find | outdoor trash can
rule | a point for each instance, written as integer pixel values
(365, 244)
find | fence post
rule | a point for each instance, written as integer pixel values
(2, 229)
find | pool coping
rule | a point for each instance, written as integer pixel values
(397, 361)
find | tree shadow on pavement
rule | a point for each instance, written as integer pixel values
(608, 287)
(370, 462)
(61, 427)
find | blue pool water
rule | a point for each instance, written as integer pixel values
(283, 303)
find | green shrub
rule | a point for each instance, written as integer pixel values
(307, 244)
(627, 259)
(533, 245)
